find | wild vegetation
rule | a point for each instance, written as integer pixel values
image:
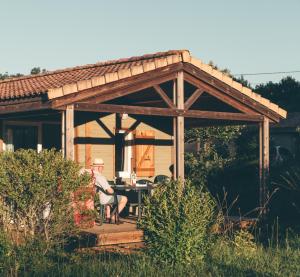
(182, 237)
(177, 229)
(35, 202)
(226, 258)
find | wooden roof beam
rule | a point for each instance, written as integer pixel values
(193, 98)
(121, 87)
(230, 93)
(218, 94)
(111, 108)
(24, 107)
(164, 96)
(224, 116)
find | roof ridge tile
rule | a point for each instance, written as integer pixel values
(97, 64)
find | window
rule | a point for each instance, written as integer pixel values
(25, 137)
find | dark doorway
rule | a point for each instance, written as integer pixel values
(119, 151)
(51, 136)
(22, 137)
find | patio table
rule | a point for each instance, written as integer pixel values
(137, 189)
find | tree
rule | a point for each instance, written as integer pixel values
(5, 75)
(214, 153)
(285, 93)
(33, 71)
(37, 70)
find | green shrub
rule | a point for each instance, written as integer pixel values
(35, 195)
(244, 244)
(177, 223)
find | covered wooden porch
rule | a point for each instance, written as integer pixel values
(168, 91)
(183, 94)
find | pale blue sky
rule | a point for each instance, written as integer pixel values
(244, 36)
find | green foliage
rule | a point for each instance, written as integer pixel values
(37, 70)
(33, 71)
(213, 135)
(6, 250)
(285, 93)
(242, 257)
(225, 70)
(215, 150)
(244, 244)
(223, 259)
(243, 81)
(247, 145)
(5, 75)
(177, 223)
(35, 195)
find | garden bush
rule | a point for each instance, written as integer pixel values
(177, 223)
(35, 196)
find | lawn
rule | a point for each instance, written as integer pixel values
(226, 258)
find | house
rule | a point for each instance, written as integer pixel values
(131, 112)
(285, 138)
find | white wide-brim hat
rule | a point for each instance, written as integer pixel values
(98, 161)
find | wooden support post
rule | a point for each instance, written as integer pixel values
(63, 133)
(1, 136)
(70, 132)
(264, 163)
(174, 148)
(180, 128)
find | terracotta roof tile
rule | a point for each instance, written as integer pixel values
(70, 80)
(32, 85)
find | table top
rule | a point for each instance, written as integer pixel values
(129, 187)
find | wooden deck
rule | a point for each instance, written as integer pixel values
(113, 234)
(126, 237)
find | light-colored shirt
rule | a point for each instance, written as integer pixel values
(100, 181)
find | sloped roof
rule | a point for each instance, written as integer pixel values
(38, 84)
(71, 80)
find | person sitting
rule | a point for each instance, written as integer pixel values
(106, 191)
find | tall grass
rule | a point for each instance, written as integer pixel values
(236, 257)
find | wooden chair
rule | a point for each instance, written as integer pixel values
(114, 207)
(161, 179)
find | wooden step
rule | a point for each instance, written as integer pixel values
(123, 237)
(124, 248)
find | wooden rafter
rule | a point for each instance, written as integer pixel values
(226, 90)
(134, 88)
(112, 108)
(24, 107)
(120, 88)
(164, 96)
(223, 116)
(218, 94)
(193, 98)
(202, 122)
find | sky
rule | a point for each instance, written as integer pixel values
(244, 36)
